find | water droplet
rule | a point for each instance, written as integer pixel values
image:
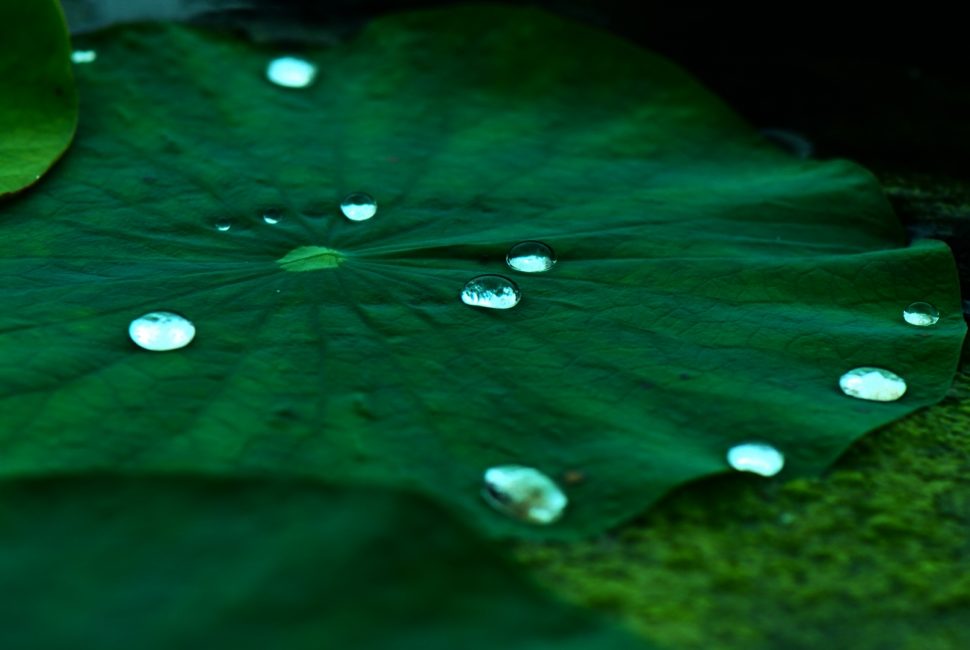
(492, 291)
(524, 493)
(794, 143)
(530, 257)
(291, 72)
(757, 457)
(358, 206)
(921, 314)
(223, 225)
(272, 217)
(875, 384)
(83, 56)
(160, 331)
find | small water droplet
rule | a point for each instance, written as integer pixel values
(757, 457)
(160, 331)
(291, 72)
(358, 206)
(921, 314)
(524, 493)
(272, 216)
(223, 225)
(874, 384)
(794, 143)
(530, 257)
(491, 291)
(83, 56)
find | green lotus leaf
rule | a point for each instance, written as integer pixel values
(38, 101)
(709, 290)
(183, 562)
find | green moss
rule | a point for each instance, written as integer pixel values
(873, 555)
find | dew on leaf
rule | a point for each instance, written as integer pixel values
(83, 56)
(524, 493)
(491, 291)
(874, 384)
(794, 143)
(921, 314)
(291, 72)
(272, 216)
(358, 206)
(160, 331)
(530, 257)
(756, 457)
(223, 225)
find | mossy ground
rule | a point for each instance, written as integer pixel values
(874, 555)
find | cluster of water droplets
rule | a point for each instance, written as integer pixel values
(881, 385)
(521, 492)
(499, 292)
(356, 207)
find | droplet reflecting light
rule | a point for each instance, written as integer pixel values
(83, 56)
(291, 72)
(160, 331)
(794, 143)
(524, 493)
(530, 257)
(874, 384)
(921, 314)
(223, 225)
(756, 457)
(358, 206)
(272, 217)
(491, 291)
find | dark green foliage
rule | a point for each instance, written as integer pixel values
(710, 289)
(180, 562)
(38, 102)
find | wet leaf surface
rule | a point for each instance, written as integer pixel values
(710, 290)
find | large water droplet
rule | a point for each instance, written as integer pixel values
(492, 291)
(524, 493)
(530, 257)
(223, 225)
(358, 206)
(756, 457)
(875, 384)
(83, 56)
(921, 314)
(272, 216)
(291, 72)
(160, 331)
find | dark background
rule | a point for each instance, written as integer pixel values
(889, 87)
